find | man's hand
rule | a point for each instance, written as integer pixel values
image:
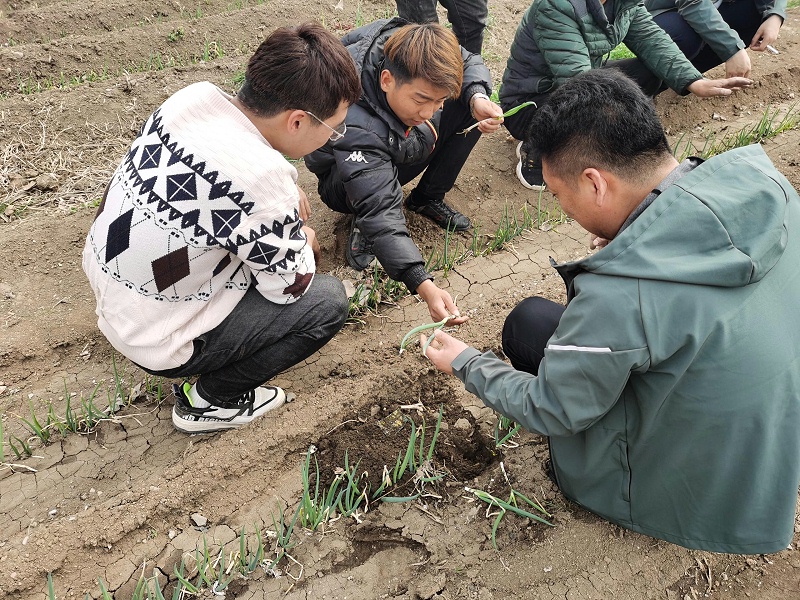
(767, 33)
(305, 205)
(439, 302)
(486, 113)
(311, 236)
(443, 350)
(597, 242)
(707, 88)
(738, 65)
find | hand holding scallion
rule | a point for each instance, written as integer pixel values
(491, 121)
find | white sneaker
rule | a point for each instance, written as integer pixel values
(519, 151)
(224, 415)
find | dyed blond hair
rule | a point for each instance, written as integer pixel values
(426, 51)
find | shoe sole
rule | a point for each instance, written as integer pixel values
(535, 188)
(187, 426)
(519, 151)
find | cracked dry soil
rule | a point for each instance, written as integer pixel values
(79, 78)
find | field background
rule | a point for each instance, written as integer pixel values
(77, 80)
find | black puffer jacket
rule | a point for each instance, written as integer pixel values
(360, 169)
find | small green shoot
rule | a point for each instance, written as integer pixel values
(510, 505)
(504, 424)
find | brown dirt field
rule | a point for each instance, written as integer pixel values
(78, 79)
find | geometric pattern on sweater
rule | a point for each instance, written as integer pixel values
(196, 212)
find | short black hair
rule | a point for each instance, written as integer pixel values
(304, 68)
(599, 119)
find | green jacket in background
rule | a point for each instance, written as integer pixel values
(671, 388)
(703, 17)
(558, 39)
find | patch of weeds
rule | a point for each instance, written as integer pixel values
(349, 494)
(86, 414)
(767, 127)
(175, 35)
(238, 79)
(517, 503)
(374, 289)
(378, 288)
(212, 50)
(212, 572)
(620, 52)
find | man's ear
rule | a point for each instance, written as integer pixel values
(596, 184)
(387, 80)
(294, 120)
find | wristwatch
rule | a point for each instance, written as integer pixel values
(472, 101)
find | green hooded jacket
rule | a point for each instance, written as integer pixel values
(704, 18)
(558, 39)
(671, 387)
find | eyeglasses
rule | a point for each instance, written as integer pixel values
(337, 133)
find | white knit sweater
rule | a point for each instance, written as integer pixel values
(200, 206)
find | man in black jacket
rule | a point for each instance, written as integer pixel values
(420, 88)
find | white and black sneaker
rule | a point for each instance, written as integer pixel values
(223, 415)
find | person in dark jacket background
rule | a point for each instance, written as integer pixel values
(711, 33)
(420, 89)
(669, 386)
(468, 18)
(558, 39)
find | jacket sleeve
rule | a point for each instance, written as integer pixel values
(656, 49)
(477, 78)
(375, 194)
(581, 377)
(767, 8)
(557, 34)
(703, 17)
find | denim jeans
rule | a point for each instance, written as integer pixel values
(260, 339)
(468, 18)
(741, 15)
(526, 331)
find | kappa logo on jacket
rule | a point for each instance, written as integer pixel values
(356, 156)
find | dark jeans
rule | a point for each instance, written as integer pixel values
(468, 18)
(441, 168)
(634, 68)
(526, 331)
(448, 157)
(260, 339)
(741, 15)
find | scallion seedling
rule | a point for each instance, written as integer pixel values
(509, 113)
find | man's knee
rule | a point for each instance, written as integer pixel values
(331, 301)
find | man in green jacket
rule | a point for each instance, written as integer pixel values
(710, 33)
(558, 39)
(670, 383)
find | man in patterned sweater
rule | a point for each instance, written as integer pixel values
(200, 258)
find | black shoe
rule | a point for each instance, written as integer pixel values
(441, 214)
(529, 169)
(359, 250)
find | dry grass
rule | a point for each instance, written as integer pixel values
(47, 169)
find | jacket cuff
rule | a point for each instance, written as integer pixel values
(475, 88)
(460, 362)
(415, 276)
